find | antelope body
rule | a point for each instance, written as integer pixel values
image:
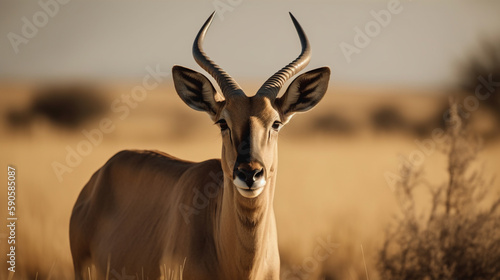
(151, 215)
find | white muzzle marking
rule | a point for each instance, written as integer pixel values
(245, 191)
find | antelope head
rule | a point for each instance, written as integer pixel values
(250, 125)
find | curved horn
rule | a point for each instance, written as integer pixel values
(227, 84)
(273, 85)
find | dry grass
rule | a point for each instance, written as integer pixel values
(458, 236)
(328, 186)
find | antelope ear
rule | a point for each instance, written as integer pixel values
(196, 90)
(304, 92)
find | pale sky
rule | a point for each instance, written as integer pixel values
(420, 46)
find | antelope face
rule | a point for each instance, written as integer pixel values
(250, 125)
(249, 129)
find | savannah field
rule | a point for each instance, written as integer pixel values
(331, 185)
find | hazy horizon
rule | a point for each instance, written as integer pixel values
(422, 45)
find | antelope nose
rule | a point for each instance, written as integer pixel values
(249, 176)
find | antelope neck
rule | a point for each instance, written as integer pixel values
(247, 239)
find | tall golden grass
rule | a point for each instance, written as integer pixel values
(330, 186)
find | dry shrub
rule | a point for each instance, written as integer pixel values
(459, 236)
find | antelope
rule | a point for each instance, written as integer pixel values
(146, 212)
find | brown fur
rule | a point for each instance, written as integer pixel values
(135, 221)
(146, 211)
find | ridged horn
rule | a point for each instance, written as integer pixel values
(273, 85)
(227, 84)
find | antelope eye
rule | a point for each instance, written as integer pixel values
(222, 124)
(276, 125)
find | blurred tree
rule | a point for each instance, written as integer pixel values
(65, 106)
(484, 69)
